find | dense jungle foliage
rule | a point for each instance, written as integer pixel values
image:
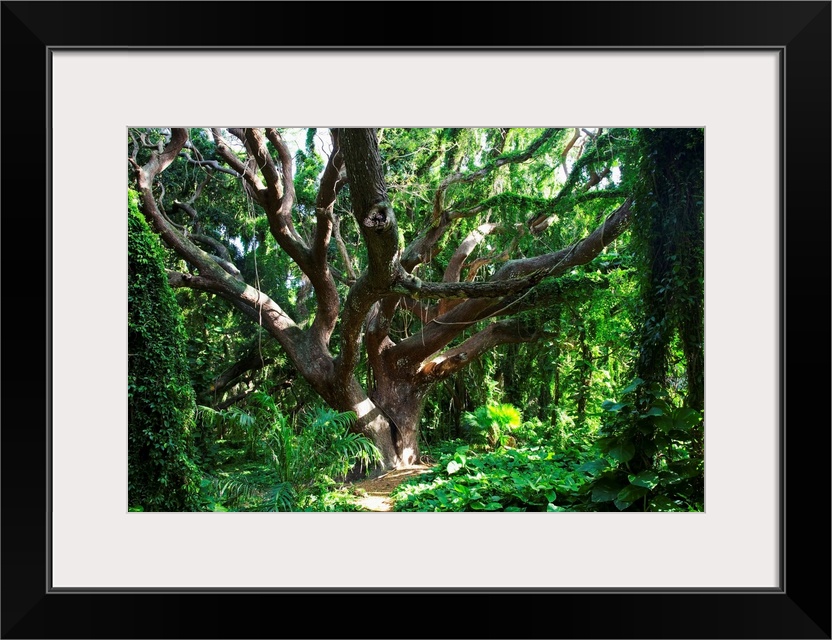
(520, 309)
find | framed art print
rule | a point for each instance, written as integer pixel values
(197, 111)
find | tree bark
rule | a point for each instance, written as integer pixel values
(401, 404)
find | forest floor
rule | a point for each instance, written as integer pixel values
(374, 494)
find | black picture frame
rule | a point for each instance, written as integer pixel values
(800, 608)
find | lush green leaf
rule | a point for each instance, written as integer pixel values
(647, 479)
(623, 451)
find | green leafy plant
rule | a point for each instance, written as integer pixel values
(491, 426)
(649, 456)
(303, 464)
(525, 479)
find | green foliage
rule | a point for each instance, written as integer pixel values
(669, 243)
(325, 441)
(524, 479)
(504, 464)
(307, 175)
(651, 444)
(649, 455)
(287, 469)
(162, 475)
(490, 426)
(553, 435)
(237, 426)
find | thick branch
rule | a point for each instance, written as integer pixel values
(319, 274)
(314, 364)
(377, 223)
(475, 265)
(423, 247)
(419, 289)
(209, 266)
(271, 195)
(212, 277)
(545, 296)
(332, 180)
(454, 269)
(219, 248)
(505, 332)
(160, 160)
(546, 215)
(580, 252)
(566, 150)
(277, 199)
(278, 208)
(453, 272)
(286, 170)
(595, 178)
(242, 168)
(310, 357)
(423, 311)
(257, 304)
(378, 330)
(514, 278)
(285, 158)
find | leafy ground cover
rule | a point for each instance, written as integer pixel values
(524, 479)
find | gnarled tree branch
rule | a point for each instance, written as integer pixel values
(497, 333)
(515, 277)
(377, 222)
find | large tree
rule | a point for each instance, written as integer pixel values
(467, 238)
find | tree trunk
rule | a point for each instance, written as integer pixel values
(376, 426)
(389, 417)
(401, 402)
(393, 426)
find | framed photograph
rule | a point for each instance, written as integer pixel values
(753, 76)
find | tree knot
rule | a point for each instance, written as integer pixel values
(379, 217)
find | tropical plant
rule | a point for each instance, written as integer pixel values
(491, 426)
(303, 465)
(649, 455)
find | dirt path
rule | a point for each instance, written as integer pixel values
(374, 494)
